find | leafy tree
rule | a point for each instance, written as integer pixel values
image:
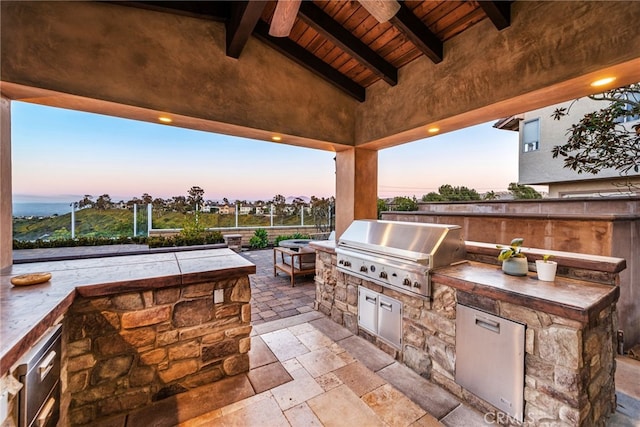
(321, 212)
(520, 191)
(490, 195)
(433, 197)
(382, 207)
(402, 203)
(103, 202)
(601, 140)
(195, 197)
(86, 201)
(146, 198)
(450, 193)
(279, 204)
(179, 204)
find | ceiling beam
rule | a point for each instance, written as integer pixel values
(243, 17)
(499, 12)
(418, 33)
(317, 19)
(298, 54)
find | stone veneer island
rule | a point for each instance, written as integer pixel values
(136, 329)
(570, 338)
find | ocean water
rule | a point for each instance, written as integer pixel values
(40, 209)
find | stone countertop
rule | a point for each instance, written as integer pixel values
(570, 298)
(579, 300)
(26, 312)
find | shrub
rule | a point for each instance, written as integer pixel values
(260, 239)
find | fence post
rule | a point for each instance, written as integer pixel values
(302, 216)
(237, 209)
(73, 219)
(271, 214)
(149, 218)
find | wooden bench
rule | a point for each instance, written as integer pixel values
(293, 263)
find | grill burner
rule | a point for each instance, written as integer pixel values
(399, 255)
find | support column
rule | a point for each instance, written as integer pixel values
(356, 186)
(6, 209)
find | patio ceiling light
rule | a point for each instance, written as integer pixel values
(165, 119)
(602, 82)
(276, 138)
(433, 130)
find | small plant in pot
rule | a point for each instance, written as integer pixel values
(514, 262)
(546, 268)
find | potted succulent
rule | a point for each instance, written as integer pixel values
(546, 269)
(514, 262)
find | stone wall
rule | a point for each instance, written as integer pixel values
(569, 365)
(127, 350)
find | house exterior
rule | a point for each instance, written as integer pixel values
(539, 133)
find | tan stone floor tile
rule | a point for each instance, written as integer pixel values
(321, 361)
(359, 378)
(392, 406)
(341, 407)
(302, 416)
(226, 410)
(315, 340)
(263, 413)
(292, 365)
(427, 420)
(284, 344)
(268, 376)
(298, 330)
(302, 388)
(260, 354)
(329, 381)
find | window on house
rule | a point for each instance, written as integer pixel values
(633, 97)
(531, 135)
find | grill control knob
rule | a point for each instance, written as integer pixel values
(406, 282)
(347, 263)
(372, 268)
(383, 274)
(341, 262)
(363, 268)
(416, 285)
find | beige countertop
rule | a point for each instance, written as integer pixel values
(26, 312)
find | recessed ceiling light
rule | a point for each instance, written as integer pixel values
(165, 119)
(276, 138)
(603, 82)
(433, 130)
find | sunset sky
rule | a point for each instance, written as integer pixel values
(60, 155)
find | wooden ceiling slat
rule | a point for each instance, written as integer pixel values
(454, 15)
(323, 23)
(465, 22)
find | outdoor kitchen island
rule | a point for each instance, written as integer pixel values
(136, 329)
(569, 342)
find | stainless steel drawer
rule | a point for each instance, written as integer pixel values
(39, 371)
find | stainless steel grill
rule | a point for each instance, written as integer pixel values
(399, 255)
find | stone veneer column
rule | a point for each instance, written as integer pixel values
(128, 350)
(356, 186)
(6, 224)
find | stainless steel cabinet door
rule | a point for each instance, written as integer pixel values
(390, 320)
(368, 309)
(490, 359)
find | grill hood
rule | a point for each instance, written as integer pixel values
(430, 245)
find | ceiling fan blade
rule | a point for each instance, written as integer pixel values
(382, 10)
(284, 17)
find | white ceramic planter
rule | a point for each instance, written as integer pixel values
(546, 270)
(515, 266)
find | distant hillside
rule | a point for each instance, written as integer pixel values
(119, 223)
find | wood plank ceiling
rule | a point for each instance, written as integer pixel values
(339, 40)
